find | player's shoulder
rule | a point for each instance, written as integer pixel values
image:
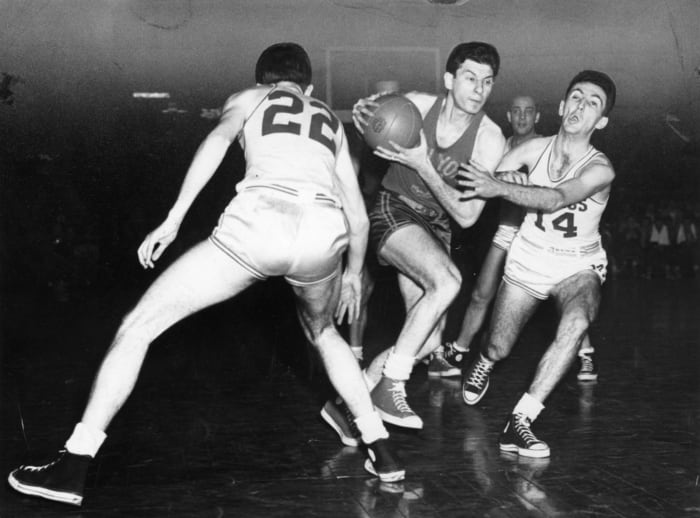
(247, 98)
(423, 101)
(490, 130)
(599, 161)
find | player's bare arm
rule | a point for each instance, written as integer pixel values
(356, 216)
(206, 161)
(596, 178)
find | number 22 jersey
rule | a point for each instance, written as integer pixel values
(290, 142)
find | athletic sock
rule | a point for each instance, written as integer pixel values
(529, 407)
(398, 366)
(371, 427)
(85, 440)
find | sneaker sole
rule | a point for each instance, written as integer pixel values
(445, 374)
(42, 492)
(474, 402)
(393, 476)
(347, 441)
(524, 452)
(414, 422)
(587, 377)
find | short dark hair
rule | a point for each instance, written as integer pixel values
(477, 51)
(600, 79)
(284, 62)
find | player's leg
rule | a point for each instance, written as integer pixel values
(485, 289)
(512, 309)
(578, 297)
(429, 281)
(201, 277)
(316, 305)
(359, 325)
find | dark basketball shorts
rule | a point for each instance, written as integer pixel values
(392, 211)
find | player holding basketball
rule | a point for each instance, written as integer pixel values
(297, 210)
(557, 252)
(409, 224)
(448, 360)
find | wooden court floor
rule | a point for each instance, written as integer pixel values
(224, 420)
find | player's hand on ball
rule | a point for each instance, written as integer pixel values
(414, 157)
(362, 111)
(156, 242)
(350, 297)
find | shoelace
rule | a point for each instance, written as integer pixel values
(42, 468)
(351, 420)
(522, 430)
(478, 375)
(398, 394)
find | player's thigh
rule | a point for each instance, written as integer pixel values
(579, 292)
(419, 256)
(201, 277)
(511, 311)
(316, 304)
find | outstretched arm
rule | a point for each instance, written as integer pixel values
(206, 160)
(596, 177)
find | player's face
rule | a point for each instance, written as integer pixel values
(582, 110)
(523, 115)
(470, 86)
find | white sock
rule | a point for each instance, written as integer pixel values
(85, 440)
(458, 347)
(529, 407)
(371, 427)
(398, 366)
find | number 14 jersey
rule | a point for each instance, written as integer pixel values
(571, 228)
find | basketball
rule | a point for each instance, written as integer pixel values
(396, 119)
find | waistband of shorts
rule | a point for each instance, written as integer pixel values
(303, 196)
(573, 251)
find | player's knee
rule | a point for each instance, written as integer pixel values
(447, 284)
(480, 297)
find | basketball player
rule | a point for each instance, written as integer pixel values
(556, 253)
(448, 360)
(409, 224)
(297, 210)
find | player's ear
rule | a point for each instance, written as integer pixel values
(510, 120)
(601, 123)
(309, 89)
(561, 108)
(537, 117)
(448, 78)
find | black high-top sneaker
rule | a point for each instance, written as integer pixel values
(62, 480)
(517, 437)
(383, 462)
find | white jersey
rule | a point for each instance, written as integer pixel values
(291, 142)
(574, 227)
